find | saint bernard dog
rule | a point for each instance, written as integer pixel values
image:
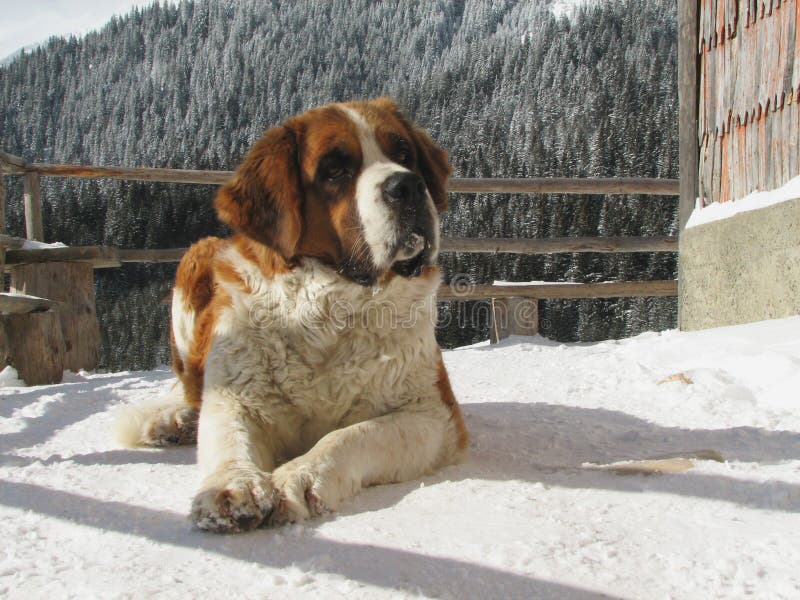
(304, 344)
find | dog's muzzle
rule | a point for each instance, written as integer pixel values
(407, 196)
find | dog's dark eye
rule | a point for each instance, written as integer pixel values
(403, 153)
(335, 167)
(337, 174)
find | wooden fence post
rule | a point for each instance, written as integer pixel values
(33, 344)
(2, 204)
(513, 316)
(688, 144)
(71, 284)
(33, 206)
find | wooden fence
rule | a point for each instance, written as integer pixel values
(26, 264)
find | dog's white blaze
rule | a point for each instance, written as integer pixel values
(436, 229)
(182, 324)
(378, 221)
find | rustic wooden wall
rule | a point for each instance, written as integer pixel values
(749, 97)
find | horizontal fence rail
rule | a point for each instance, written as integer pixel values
(561, 244)
(476, 245)
(532, 185)
(613, 289)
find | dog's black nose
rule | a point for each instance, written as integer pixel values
(403, 187)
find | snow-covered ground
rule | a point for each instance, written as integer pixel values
(525, 516)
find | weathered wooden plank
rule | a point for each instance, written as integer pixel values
(704, 188)
(3, 191)
(481, 245)
(150, 255)
(688, 150)
(794, 135)
(17, 304)
(32, 197)
(10, 241)
(617, 289)
(564, 244)
(741, 160)
(564, 185)
(100, 257)
(769, 150)
(533, 185)
(724, 183)
(134, 173)
(72, 286)
(778, 145)
(716, 168)
(11, 164)
(513, 316)
(34, 346)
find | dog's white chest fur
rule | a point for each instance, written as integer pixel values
(314, 353)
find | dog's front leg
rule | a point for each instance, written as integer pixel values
(396, 447)
(234, 457)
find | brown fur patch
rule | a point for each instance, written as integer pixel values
(269, 262)
(447, 396)
(195, 363)
(194, 277)
(263, 199)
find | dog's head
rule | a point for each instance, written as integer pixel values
(355, 185)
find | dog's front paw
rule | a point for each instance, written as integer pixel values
(173, 426)
(304, 491)
(231, 503)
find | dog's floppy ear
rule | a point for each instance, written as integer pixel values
(432, 159)
(263, 199)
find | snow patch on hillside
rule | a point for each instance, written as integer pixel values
(568, 8)
(521, 517)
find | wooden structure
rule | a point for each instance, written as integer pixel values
(749, 96)
(740, 133)
(62, 277)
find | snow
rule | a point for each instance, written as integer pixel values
(499, 282)
(716, 211)
(568, 8)
(34, 245)
(526, 515)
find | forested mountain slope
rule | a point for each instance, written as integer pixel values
(508, 88)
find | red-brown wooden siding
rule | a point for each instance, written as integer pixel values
(749, 96)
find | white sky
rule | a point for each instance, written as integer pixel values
(29, 22)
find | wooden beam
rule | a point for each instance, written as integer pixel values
(513, 316)
(485, 245)
(33, 207)
(100, 257)
(16, 304)
(34, 345)
(3, 191)
(688, 82)
(564, 244)
(615, 289)
(72, 286)
(533, 185)
(134, 173)
(565, 185)
(150, 255)
(10, 241)
(11, 164)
